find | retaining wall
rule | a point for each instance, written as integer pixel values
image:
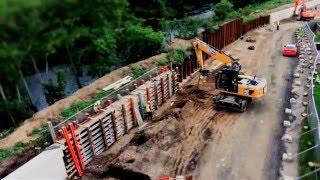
(80, 142)
(231, 31)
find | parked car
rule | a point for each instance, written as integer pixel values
(290, 50)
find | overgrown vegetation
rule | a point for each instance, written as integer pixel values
(76, 107)
(43, 139)
(138, 71)
(225, 10)
(6, 133)
(317, 91)
(317, 37)
(55, 92)
(307, 141)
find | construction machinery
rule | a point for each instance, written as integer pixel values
(236, 90)
(302, 12)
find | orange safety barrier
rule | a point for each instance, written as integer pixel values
(74, 157)
(76, 143)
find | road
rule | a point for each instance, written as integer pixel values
(246, 146)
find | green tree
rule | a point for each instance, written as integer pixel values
(137, 42)
(222, 9)
(55, 91)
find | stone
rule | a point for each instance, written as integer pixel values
(288, 111)
(287, 157)
(286, 123)
(287, 138)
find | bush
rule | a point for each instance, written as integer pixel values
(138, 71)
(161, 63)
(6, 133)
(306, 141)
(16, 149)
(177, 56)
(222, 9)
(55, 92)
(137, 42)
(74, 108)
(317, 38)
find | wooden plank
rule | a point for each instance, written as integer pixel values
(90, 140)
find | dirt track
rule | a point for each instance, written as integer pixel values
(192, 138)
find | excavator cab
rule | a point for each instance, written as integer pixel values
(226, 79)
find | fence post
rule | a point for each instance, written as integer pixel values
(124, 115)
(52, 132)
(162, 90)
(133, 114)
(114, 125)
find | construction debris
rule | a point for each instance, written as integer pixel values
(251, 39)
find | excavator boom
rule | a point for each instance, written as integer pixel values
(215, 54)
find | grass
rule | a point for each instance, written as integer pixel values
(138, 71)
(317, 38)
(317, 94)
(306, 141)
(251, 12)
(20, 147)
(76, 107)
(7, 152)
(6, 133)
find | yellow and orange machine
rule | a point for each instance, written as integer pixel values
(236, 90)
(302, 12)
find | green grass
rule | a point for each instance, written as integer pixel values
(306, 141)
(251, 12)
(6, 133)
(19, 147)
(138, 71)
(7, 152)
(317, 94)
(317, 38)
(76, 107)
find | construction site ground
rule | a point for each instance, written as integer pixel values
(190, 137)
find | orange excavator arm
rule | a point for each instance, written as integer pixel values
(215, 54)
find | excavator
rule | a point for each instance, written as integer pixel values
(302, 12)
(236, 90)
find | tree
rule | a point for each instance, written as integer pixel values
(138, 42)
(55, 91)
(222, 9)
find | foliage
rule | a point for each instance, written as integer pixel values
(6, 133)
(18, 109)
(306, 141)
(137, 42)
(222, 9)
(76, 107)
(19, 147)
(163, 62)
(7, 152)
(138, 71)
(317, 38)
(177, 56)
(55, 92)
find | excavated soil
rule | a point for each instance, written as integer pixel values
(189, 137)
